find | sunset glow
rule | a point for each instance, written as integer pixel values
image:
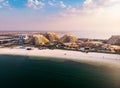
(90, 16)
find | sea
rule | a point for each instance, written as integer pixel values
(45, 72)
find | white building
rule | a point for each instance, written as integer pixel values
(23, 37)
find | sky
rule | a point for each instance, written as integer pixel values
(88, 17)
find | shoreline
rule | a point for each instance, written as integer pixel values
(100, 59)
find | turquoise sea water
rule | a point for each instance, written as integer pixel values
(34, 72)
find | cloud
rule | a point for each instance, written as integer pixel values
(51, 2)
(99, 16)
(102, 7)
(5, 4)
(95, 7)
(35, 4)
(62, 4)
(55, 4)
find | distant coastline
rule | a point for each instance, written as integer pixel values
(79, 34)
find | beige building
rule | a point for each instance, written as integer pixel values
(114, 40)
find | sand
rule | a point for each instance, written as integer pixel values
(111, 60)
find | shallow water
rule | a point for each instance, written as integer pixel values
(34, 72)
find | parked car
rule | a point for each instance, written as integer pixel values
(28, 48)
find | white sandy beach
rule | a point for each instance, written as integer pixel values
(97, 58)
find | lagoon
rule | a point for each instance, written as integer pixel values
(44, 72)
